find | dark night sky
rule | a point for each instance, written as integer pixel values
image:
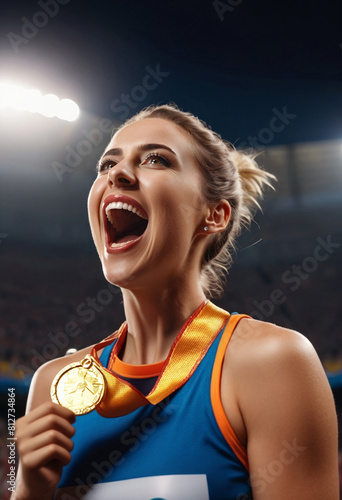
(231, 71)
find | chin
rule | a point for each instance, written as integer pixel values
(118, 275)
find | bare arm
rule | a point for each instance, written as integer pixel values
(288, 412)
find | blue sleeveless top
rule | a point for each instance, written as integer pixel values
(176, 450)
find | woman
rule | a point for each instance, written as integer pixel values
(185, 401)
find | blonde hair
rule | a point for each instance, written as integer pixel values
(229, 174)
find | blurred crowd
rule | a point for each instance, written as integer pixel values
(63, 301)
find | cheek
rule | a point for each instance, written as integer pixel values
(180, 206)
(190, 202)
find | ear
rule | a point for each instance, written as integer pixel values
(217, 217)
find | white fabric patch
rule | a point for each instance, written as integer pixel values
(171, 487)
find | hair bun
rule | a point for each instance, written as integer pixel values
(252, 177)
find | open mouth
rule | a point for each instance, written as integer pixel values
(125, 223)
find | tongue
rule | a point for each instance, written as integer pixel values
(127, 237)
(129, 226)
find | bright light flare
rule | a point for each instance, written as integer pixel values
(32, 100)
(68, 110)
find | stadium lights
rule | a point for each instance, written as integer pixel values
(49, 105)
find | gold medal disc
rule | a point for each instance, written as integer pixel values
(79, 386)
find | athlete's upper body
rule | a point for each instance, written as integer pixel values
(191, 193)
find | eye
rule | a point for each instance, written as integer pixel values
(156, 159)
(105, 166)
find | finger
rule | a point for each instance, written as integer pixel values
(44, 423)
(43, 456)
(50, 408)
(51, 436)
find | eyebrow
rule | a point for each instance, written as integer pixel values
(142, 147)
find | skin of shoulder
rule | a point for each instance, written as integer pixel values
(42, 379)
(277, 397)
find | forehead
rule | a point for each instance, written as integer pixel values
(154, 131)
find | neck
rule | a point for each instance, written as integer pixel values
(154, 320)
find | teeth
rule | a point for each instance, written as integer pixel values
(118, 205)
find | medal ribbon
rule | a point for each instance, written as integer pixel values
(188, 349)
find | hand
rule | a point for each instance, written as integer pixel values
(44, 445)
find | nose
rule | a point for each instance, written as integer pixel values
(122, 175)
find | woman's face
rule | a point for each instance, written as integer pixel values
(146, 207)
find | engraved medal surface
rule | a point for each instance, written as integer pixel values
(79, 386)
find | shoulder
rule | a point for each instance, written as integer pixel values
(276, 374)
(261, 346)
(42, 379)
(268, 356)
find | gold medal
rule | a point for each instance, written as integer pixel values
(79, 386)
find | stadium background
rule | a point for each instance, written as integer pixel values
(265, 75)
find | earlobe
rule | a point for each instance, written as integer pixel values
(217, 218)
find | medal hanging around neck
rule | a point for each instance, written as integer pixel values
(87, 385)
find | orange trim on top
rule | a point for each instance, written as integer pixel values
(136, 371)
(215, 392)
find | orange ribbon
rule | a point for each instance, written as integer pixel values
(188, 349)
